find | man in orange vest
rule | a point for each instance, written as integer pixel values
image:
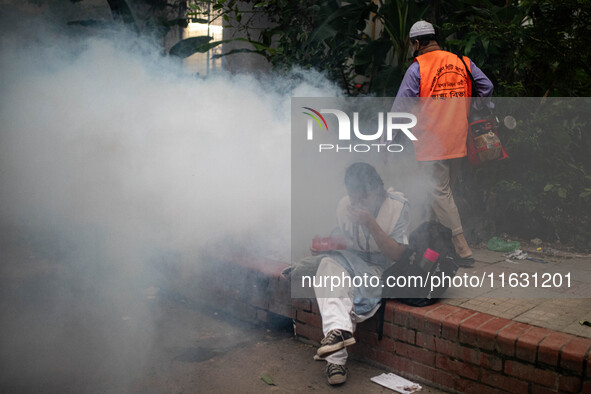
(441, 81)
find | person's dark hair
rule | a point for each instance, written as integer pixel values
(362, 177)
(424, 40)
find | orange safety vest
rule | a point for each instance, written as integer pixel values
(442, 114)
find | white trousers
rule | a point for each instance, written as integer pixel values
(336, 306)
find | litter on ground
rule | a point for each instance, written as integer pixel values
(396, 383)
(518, 254)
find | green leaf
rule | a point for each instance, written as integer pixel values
(267, 379)
(323, 32)
(189, 46)
(199, 20)
(259, 46)
(386, 82)
(469, 45)
(548, 187)
(485, 42)
(241, 50)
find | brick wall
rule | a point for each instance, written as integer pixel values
(453, 348)
(464, 350)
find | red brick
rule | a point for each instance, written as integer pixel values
(363, 351)
(530, 373)
(425, 340)
(536, 389)
(488, 332)
(370, 338)
(491, 362)
(437, 344)
(450, 324)
(503, 382)
(280, 288)
(434, 317)
(415, 353)
(431, 326)
(469, 387)
(434, 375)
(282, 309)
(301, 303)
(314, 306)
(389, 312)
(526, 347)
(469, 328)
(457, 367)
(570, 384)
(401, 313)
(390, 361)
(400, 365)
(468, 354)
(388, 330)
(452, 381)
(572, 356)
(399, 333)
(549, 347)
(446, 347)
(416, 316)
(405, 335)
(506, 338)
(477, 357)
(310, 332)
(309, 318)
(386, 345)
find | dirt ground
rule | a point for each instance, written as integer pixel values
(208, 354)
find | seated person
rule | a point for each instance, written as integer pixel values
(375, 224)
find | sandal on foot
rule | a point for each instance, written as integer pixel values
(465, 261)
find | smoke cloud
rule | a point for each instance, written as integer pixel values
(112, 159)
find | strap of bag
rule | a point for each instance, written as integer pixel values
(474, 92)
(381, 313)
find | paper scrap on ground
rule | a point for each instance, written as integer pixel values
(518, 254)
(396, 383)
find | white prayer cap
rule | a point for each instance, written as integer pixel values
(421, 28)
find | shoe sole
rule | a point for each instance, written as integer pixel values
(337, 379)
(330, 349)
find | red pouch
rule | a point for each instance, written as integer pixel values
(483, 143)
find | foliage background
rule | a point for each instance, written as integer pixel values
(527, 48)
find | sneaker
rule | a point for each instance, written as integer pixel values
(336, 374)
(334, 341)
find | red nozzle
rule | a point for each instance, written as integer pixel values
(431, 255)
